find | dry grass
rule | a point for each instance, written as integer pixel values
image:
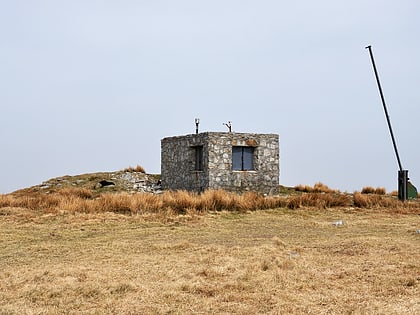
(319, 200)
(371, 190)
(73, 200)
(82, 200)
(318, 188)
(384, 203)
(138, 169)
(261, 262)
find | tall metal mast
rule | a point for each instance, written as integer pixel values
(402, 174)
(384, 105)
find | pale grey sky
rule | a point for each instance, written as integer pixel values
(90, 86)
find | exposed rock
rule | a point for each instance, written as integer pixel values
(118, 181)
(338, 223)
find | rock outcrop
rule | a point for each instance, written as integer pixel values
(118, 181)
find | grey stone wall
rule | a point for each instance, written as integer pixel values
(178, 162)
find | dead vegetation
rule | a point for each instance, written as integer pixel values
(316, 250)
(278, 261)
(317, 188)
(138, 169)
(371, 190)
(73, 200)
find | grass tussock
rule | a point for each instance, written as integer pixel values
(81, 200)
(371, 190)
(319, 200)
(364, 200)
(138, 169)
(318, 188)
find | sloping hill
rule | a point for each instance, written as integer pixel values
(117, 181)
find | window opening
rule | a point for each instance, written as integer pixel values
(242, 158)
(198, 158)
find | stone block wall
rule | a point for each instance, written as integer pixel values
(179, 169)
(178, 163)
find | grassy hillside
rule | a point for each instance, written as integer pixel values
(278, 261)
(69, 246)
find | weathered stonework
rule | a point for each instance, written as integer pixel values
(182, 168)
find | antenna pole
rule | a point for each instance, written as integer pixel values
(385, 110)
(197, 122)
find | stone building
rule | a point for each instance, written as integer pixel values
(221, 160)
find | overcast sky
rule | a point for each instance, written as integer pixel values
(89, 86)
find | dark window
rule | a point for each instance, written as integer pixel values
(242, 158)
(198, 158)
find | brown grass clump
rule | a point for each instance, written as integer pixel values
(376, 201)
(380, 191)
(138, 169)
(319, 200)
(371, 190)
(82, 193)
(36, 201)
(385, 203)
(322, 188)
(179, 201)
(304, 188)
(318, 188)
(368, 190)
(119, 203)
(216, 200)
(81, 200)
(73, 200)
(5, 200)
